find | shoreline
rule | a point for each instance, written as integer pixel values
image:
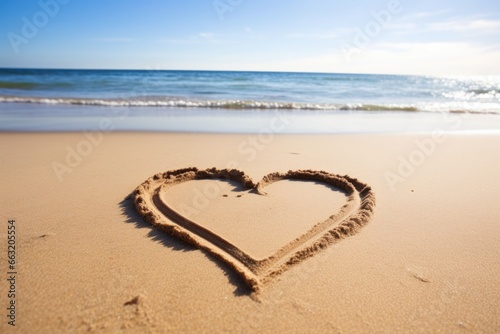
(266, 122)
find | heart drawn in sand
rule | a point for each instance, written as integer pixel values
(151, 203)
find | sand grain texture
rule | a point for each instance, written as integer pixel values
(346, 222)
(88, 262)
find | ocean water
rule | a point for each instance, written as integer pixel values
(33, 99)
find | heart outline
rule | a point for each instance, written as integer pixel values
(355, 214)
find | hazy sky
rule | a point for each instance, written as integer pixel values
(445, 37)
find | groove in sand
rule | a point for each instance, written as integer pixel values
(255, 273)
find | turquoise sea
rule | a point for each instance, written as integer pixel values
(221, 101)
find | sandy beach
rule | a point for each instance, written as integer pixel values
(425, 261)
(249, 167)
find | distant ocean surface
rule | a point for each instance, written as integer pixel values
(249, 90)
(40, 92)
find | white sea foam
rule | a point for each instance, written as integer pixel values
(170, 102)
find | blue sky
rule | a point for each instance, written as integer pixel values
(459, 37)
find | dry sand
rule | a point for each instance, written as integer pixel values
(255, 268)
(425, 261)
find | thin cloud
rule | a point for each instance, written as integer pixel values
(447, 58)
(206, 35)
(411, 24)
(312, 36)
(402, 26)
(202, 37)
(477, 25)
(430, 14)
(421, 15)
(118, 40)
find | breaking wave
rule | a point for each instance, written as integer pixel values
(173, 102)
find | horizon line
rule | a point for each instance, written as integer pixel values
(245, 71)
